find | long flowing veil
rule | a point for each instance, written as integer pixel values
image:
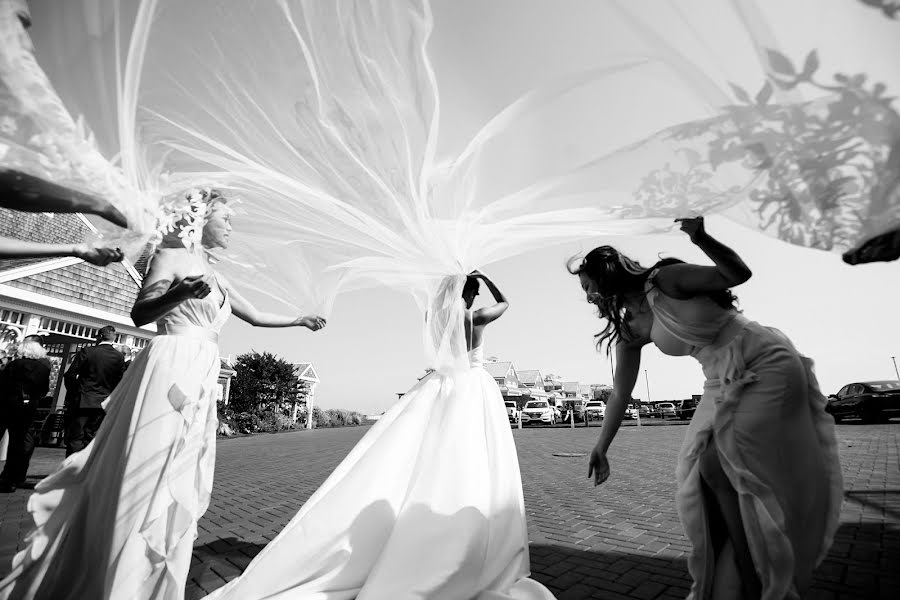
(323, 118)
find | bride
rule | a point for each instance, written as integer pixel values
(119, 519)
(427, 505)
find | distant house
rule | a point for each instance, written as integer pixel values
(531, 379)
(535, 386)
(226, 374)
(553, 383)
(307, 379)
(504, 373)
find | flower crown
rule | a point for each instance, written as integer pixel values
(187, 213)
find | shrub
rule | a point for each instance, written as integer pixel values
(336, 417)
(247, 422)
(285, 422)
(269, 421)
(321, 418)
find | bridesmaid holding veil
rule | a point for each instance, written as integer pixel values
(759, 481)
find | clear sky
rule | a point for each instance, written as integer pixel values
(485, 54)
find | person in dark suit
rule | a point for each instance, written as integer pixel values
(94, 373)
(23, 383)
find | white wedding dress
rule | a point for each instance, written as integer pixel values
(427, 505)
(118, 520)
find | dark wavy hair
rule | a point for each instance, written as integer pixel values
(616, 275)
(472, 285)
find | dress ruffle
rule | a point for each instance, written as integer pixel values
(771, 536)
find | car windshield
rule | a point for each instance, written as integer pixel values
(511, 404)
(885, 386)
(537, 405)
(594, 405)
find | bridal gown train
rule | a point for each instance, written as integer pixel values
(118, 520)
(427, 505)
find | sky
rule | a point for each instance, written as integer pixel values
(484, 55)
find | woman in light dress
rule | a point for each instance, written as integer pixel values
(118, 520)
(427, 505)
(759, 482)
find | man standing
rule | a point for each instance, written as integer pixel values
(23, 383)
(94, 373)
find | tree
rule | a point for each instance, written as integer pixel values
(601, 394)
(262, 381)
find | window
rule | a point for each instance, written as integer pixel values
(885, 386)
(844, 391)
(67, 328)
(12, 317)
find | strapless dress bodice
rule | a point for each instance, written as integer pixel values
(196, 315)
(476, 357)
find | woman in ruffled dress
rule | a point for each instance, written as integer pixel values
(119, 519)
(759, 482)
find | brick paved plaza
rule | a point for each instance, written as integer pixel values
(621, 540)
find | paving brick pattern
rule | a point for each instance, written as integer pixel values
(620, 540)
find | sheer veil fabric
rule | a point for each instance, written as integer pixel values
(323, 118)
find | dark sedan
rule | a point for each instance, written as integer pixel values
(871, 401)
(686, 409)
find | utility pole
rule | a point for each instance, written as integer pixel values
(894, 358)
(647, 383)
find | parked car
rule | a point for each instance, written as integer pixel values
(538, 411)
(871, 401)
(594, 410)
(645, 411)
(666, 410)
(512, 411)
(686, 409)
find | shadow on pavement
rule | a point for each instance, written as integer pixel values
(223, 559)
(859, 566)
(578, 573)
(881, 500)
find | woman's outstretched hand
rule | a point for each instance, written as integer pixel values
(598, 467)
(312, 322)
(98, 255)
(693, 226)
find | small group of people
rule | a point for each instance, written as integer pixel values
(25, 380)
